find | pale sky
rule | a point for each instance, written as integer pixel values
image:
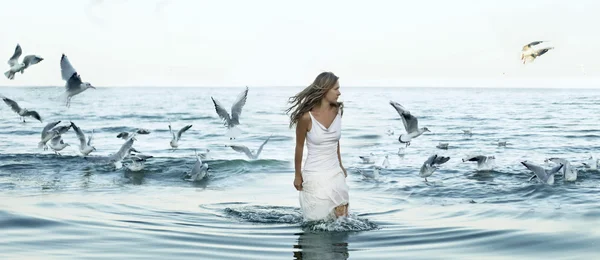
(287, 43)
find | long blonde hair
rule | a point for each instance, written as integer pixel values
(311, 96)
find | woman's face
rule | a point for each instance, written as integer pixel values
(332, 94)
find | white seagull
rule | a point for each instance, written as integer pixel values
(543, 175)
(138, 161)
(411, 124)
(250, 154)
(74, 84)
(50, 131)
(199, 171)
(16, 66)
(57, 144)
(528, 54)
(569, 172)
(484, 163)
(85, 147)
(236, 110)
(431, 164)
(443, 146)
(175, 140)
(23, 112)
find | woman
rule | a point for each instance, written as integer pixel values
(322, 182)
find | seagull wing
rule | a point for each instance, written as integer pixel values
(223, 114)
(531, 44)
(236, 109)
(33, 114)
(12, 104)
(539, 172)
(80, 134)
(541, 52)
(66, 69)
(48, 127)
(89, 142)
(31, 59)
(123, 152)
(440, 160)
(182, 130)
(411, 124)
(242, 149)
(14, 60)
(261, 146)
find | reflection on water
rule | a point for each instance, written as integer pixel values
(321, 245)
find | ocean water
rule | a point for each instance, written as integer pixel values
(66, 207)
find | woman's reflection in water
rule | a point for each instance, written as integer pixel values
(321, 245)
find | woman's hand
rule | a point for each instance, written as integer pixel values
(298, 182)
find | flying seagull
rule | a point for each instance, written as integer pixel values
(74, 84)
(236, 110)
(431, 164)
(411, 124)
(85, 146)
(23, 112)
(250, 154)
(175, 140)
(16, 66)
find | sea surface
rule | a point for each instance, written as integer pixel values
(67, 207)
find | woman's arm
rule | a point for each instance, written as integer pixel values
(302, 128)
(340, 159)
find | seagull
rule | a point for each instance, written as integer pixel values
(401, 151)
(528, 54)
(48, 133)
(367, 158)
(592, 163)
(236, 110)
(15, 66)
(374, 175)
(443, 146)
(57, 144)
(250, 154)
(467, 132)
(484, 163)
(174, 141)
(138, 161)
(502, 143)
(410, 123)
(543, 175)
(199, 171)
(23, 112)
(569, 173)
(431, 164)
(85, 148)
(125, 135)
(385, 163)
(123, 152)
(74, 84)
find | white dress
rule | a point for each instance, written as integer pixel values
(324, 184)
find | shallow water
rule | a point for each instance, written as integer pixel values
(67, 207)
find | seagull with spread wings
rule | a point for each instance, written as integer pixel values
(176, 137)
(16, 66)
(246, 150)
(236, 110)
(74, 84)
(411, 124)
(85, 146)
(23, 112)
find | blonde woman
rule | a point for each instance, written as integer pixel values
(317, 115)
